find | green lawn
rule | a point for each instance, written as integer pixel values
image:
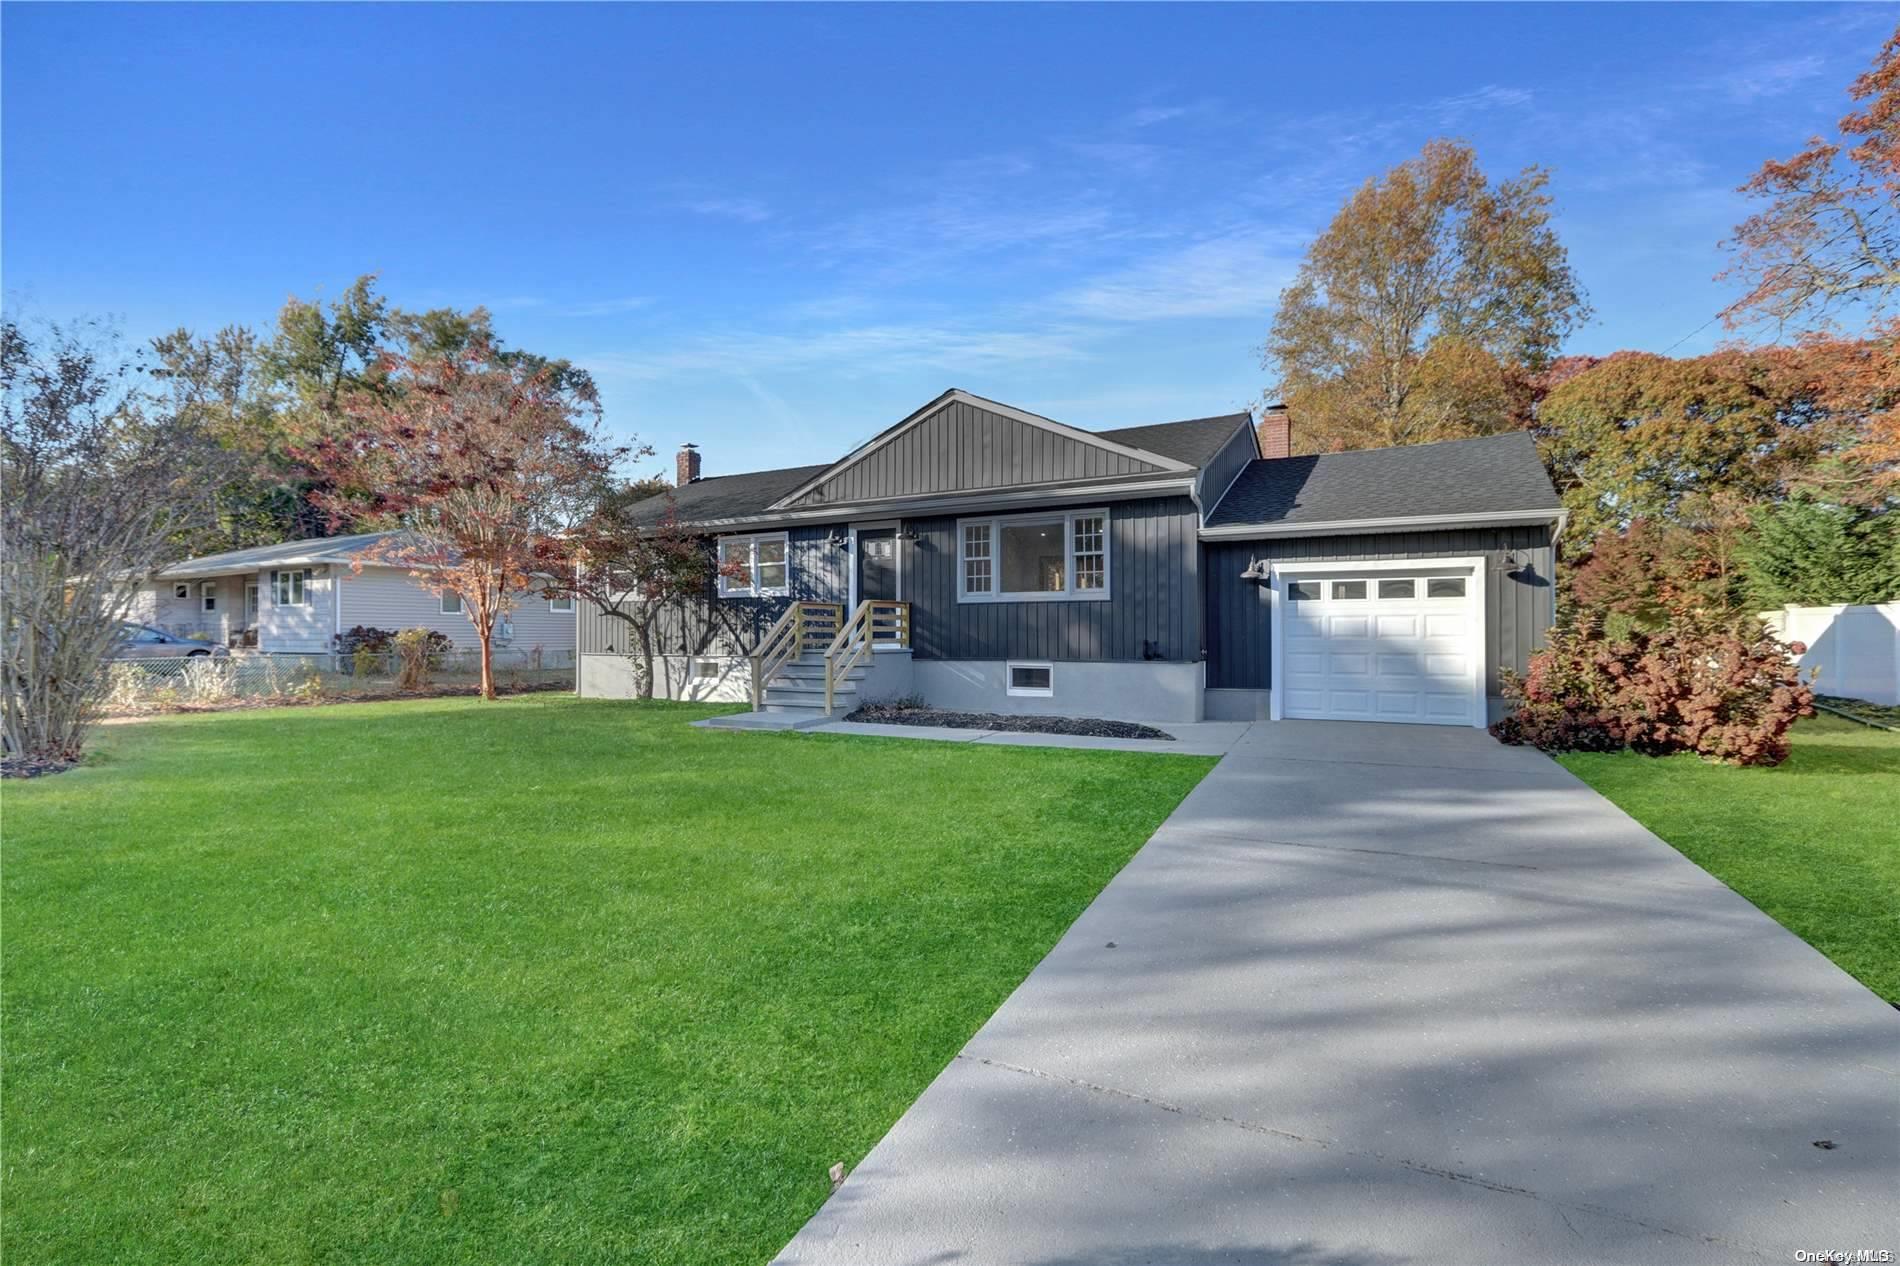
(534, 981)
(1815, 841)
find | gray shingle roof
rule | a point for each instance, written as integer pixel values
(324, 549)
(728, 496)
(1494, 474)
(1194, 441)
(721, 497)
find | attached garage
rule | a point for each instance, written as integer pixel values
(1387, 641)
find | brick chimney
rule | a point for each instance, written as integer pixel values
(1275, 430)
(686, 465)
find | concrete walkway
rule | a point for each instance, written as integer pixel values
(1377, 994)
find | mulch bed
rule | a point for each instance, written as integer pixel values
(29, 767)
(880, 714)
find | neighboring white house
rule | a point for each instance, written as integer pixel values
(296, 597)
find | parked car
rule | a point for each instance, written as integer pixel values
(142, 641)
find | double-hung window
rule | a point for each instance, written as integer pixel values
(290, 588)
(208, 596)
(755, 566)
(1058, 556)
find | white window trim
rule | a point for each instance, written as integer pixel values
(442, 603)
(1028, 692)
(207, 593)
(561, 606)
(303, 598)
(1280, 572)
(181, 591)
(730, 589)
(996, 523)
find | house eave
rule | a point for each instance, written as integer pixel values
(1404, 523)
(976, 500)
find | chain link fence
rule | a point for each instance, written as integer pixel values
(202, 681)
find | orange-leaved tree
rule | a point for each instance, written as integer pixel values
(1828, 240)
(1425, 307)
(482, 457)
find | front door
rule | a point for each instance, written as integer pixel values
(877, 565)
(250, 605)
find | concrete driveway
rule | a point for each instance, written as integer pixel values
(1384, 994)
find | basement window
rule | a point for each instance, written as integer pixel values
(1036, 681)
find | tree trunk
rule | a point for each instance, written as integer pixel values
(645, 633)
(486, 636)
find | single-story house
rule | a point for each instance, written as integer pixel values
(996, 560)
(294, 598)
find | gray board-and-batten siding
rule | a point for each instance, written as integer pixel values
(1152, 611)
(1520, 593)
(964, 448)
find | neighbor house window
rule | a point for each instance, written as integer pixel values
(290, 588)
(208, 596)
(561, 604)
(1034, 680)
(705, 669)
(451, 604)
(182, 592)
(1034, 557)
(754, 566)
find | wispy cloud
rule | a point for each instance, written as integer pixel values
(606, 307)
(1154, 115)
(1235, 274)
(1129, 157)
(744, 210)
(857, 350)
(1773, 77)
(1148, 116)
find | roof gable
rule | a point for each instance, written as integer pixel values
(964, 443)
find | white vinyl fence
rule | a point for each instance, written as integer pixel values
(1855, 651)
(138, 685)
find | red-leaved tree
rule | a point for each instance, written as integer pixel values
(485, 459)
(653, 574)
(1828, 238)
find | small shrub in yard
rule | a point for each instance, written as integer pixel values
(419, 652)
(1725, 692)
(207, 681)
(125, 687)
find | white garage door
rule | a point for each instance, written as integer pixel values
(1381, 648)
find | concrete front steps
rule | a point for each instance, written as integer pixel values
(797, 690)
(795, 699)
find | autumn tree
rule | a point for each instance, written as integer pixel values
(266, 397)
(1639, 436)
(1827, 241)
(484, 459)
(1423, 308)
(650, 573)
(100, 481)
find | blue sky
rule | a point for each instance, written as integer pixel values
(775, 231)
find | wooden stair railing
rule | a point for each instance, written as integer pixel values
(872, 625)
(805, 628)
